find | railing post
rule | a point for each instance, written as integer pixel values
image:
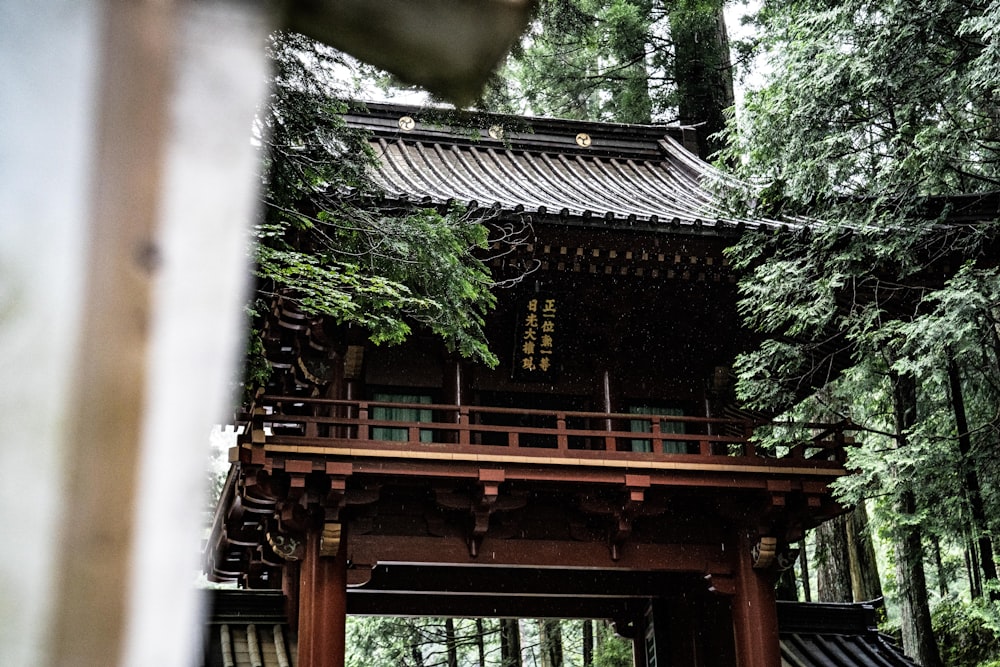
(363, 421)
(748, 447)
(562, 440)
(311, 429)
(512, 439)
(657, 440)
(463, 425)
(840, 454)
(705, 447)
(413, 435)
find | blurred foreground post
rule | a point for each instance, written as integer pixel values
(128, 180)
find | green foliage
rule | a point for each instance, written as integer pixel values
(377, 641)
(423, 642)
(384, 642)
(613, 651)
(870, 109)
(325, 242)
(965, 634)
(890, 100)
(871, 113)
(591, 59)
(627, 61)
(256, 369)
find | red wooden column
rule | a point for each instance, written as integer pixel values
(323, 598)
(755, 612)
(290, 587)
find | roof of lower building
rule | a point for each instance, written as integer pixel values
(646, 176)
(249, 628)
(821, 634)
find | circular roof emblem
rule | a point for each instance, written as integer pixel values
(496, 131)
(583, 139)
(406, 123)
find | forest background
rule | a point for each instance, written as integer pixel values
(882, 120)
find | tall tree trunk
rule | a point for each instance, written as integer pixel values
(804, 570)
(833, 566)
(481, 642)
(918, 638)
(986, 562)
(588, 643)
(416, 642)
(865, 581)
(702, 68)
(543, 644)
(939, 566)
(786, 588)
(555, 642)
(975, 583)
(450, 644)
(550, 641)
(510, 642)
(632, 97)
(417, 655)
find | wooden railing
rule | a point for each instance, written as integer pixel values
(545, 433)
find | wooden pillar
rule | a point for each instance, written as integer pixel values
(290, 587)
(755, 613)
(323, 598)
(684, 618)
(639, 657)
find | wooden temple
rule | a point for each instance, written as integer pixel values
(602, 470)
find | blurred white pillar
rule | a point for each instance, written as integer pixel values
(127, 181)
(210, 185)
(48, 67)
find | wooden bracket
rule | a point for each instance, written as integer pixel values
(625, 627)
(721, 584)
(482, 509)
(329, 541)
(635, 496)
(763, 553)
(785, 558)
(287, 546)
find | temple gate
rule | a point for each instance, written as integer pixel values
(602, 470)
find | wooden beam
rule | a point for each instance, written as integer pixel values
(577, 458)
(378, 603)
(370, 550)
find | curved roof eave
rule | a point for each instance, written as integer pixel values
(575, 172)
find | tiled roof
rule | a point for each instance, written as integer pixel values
(574, 171)
(835, 635)
(248, 629)
(253, 645)
(839, 650)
